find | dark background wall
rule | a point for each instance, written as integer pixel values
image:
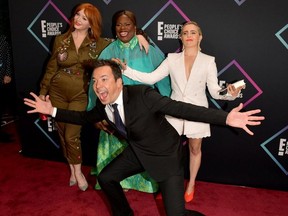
(4, 18)
(249, 40)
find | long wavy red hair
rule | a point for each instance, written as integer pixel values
(94, 17)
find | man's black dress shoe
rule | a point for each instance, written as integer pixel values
(131, 213)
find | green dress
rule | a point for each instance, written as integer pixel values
(110, 146)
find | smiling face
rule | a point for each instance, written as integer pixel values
(105, 85)
(125, 28)
(191, 35)
(81, 21)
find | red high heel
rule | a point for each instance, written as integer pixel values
(189, 197)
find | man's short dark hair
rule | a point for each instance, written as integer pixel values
(92, 65)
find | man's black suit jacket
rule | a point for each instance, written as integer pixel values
(153, 139)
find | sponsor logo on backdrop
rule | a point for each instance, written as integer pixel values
(283, 147)
(51, 124)
(47, 127)
(50, 28)
(277, 148)
(163, 27)
(49, 22)
(168, 31)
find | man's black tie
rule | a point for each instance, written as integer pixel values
(118, 122)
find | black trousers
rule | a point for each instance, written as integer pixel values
(127, 164)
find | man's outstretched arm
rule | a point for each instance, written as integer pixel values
(191, 112)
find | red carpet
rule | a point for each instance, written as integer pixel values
(36, 187)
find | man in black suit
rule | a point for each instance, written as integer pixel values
(154, 145)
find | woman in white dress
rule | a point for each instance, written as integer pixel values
(191, 71)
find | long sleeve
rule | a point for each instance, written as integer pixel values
(212, 82)
(148, 78)
(154, 103)
(81, 117)
(184, 110)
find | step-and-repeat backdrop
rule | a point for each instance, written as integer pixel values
(249, 39)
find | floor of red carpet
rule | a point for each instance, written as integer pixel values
(37, 187)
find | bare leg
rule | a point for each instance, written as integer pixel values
(195, 161)
(82, 183)
(73, 180)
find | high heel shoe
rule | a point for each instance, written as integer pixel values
(189, 197)
(85, 186)
(72, 183)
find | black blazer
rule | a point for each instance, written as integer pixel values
(155, 142)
